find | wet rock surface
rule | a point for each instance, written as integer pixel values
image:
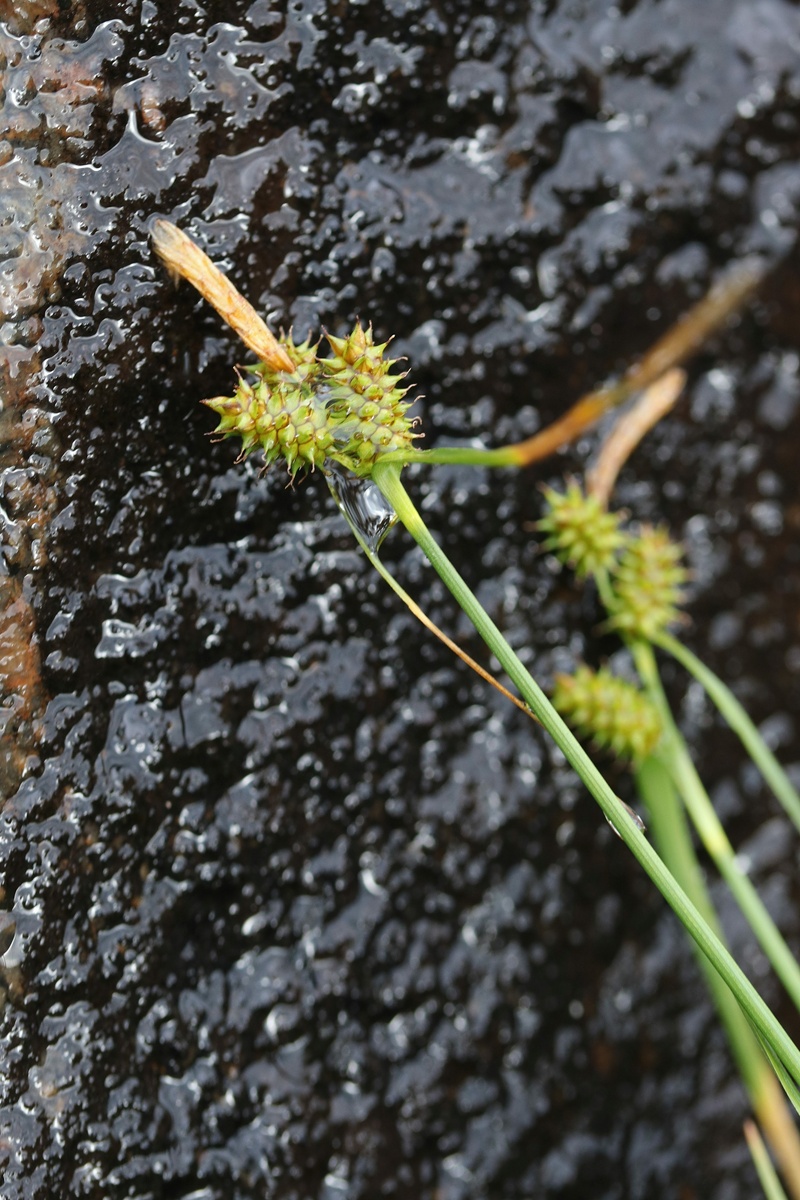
(294, 906)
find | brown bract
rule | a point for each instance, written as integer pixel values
(677, 345)
(184, 258)
(653, 404)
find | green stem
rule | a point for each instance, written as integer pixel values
(465, 456)
(679, 342)
(387, 479)
(668, 825)
(712, 832)
(604, 589)
(740, 723)
(767, 1175)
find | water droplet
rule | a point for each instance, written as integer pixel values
(361, 504)
(343, 433)
(634, 817)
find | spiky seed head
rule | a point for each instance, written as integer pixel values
(648, 583)
(365, 400)
(280, 413)
(357, 345)
(349, 407)
(581, 532)
(610, 711)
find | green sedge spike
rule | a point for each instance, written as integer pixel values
(613, 713)
(648, 584)
(365, 400)
(348, 408)
(581, 532)
(279, 412)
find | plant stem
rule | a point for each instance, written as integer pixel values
(762, 1162)
(667, 822)
(425, 620)
(387, 479)
(674, 347)
(463, 456)
(712, 832)
(736, 717)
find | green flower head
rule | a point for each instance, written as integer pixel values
(278, 412)
(581, 532)
(365, 400)
(648, 584)
(610, 711)
(349, 407)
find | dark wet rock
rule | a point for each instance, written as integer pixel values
(295, 907)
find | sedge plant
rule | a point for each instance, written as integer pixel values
(343, 412)
(640, 577)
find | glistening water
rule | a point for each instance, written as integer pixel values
(298, 907)
(361, 503)
(634, 817)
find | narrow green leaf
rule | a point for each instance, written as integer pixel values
(387, 478)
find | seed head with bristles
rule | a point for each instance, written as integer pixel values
(348, 408)
(279, 412)
(613, 713)
(648, 584)
(581, 532)
(365, 399)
